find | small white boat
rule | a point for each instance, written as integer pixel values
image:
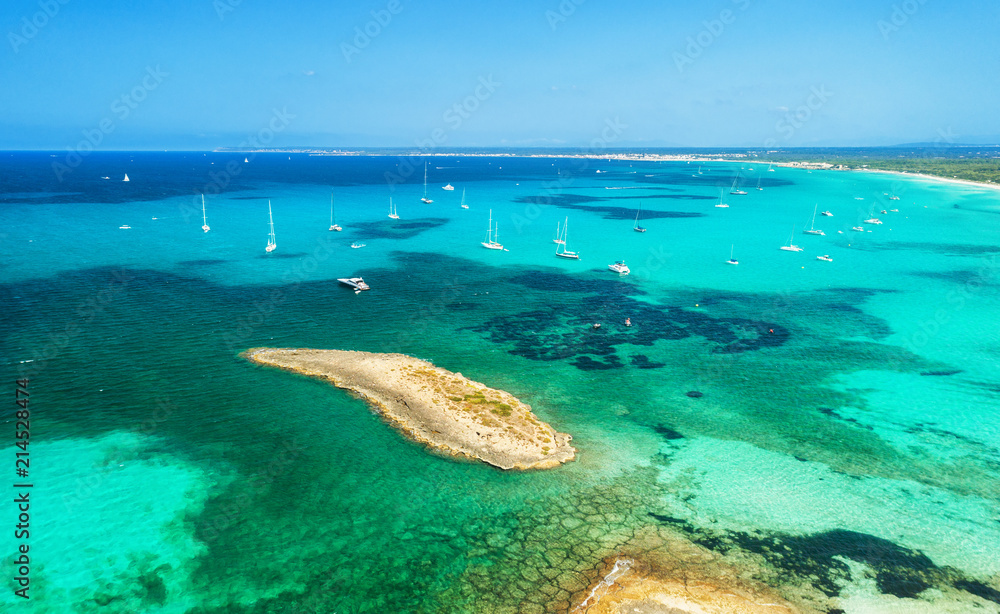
(425, 199)
(619, 267)
(893, 210)
(356, 283)
(636, 227)
(893, 197)
(126, 177)
(736, 182)
(562, 246)
(826, 213)
(333, 225)
(448, 187)
(204, 220)
(392, 210)
(769, 169)
(873, 220)
(245, 161)
(125, 227)
(357, 245)
(857, 228)
(791, 247)
(731, 259)
(825, 257)
(491, 235)
(271, 244)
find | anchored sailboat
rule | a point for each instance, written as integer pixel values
(731, 259)
(720, 204)
(425, 199)
(558, 238)
(636, 227)
(812, 226)
(561, 250)
(271, 244)
(791, 247)
(736, 182)
(204, 220)
(333, 224)
(491, 235)
(126, 177)
(392, 210)
(463, 205)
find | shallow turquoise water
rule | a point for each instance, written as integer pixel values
(172, 476)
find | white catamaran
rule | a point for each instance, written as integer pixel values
(812, 226)
(791, 247)
(561, 250)
(204, 220)
(491, 235)
(271, 244)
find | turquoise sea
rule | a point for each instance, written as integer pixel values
(827, 429)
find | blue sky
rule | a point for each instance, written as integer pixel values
(199, 74)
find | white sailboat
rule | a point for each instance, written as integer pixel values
(558, 238)
(758, 183)
(736, 182)
(720, 204)
(731, 259)
(333, 225)
(636, 227)
(463, 205)
(392, 210)
(871, 216)
(791, 247)
(769, 169)
(204, 220)
(812, 226)
(561, 250)
(126, 177)
(246, 161)
(271, 244)
(425, 199)
(491, 235)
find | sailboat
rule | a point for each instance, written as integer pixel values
(463, 205)
(769, 169)
(636, 227)
(791, 247)
(333, 225)
(731, 259)
(246, 161)
(425, 199)
(812, 226)
(271, 244)
(126, 177)
(558, 240)
(491, 235)
(871, 216)
(758, 183)
(565, 253)
(392, 210)
(736, 182)
(204, 220)
(720, 204)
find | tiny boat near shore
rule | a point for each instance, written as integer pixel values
(356, 283)
(357, 245)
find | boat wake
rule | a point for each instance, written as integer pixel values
(620, 568)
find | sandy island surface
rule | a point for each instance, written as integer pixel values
(434, 406)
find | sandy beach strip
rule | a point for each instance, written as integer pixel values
(433, 406)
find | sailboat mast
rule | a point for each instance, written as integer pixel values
(204, 220)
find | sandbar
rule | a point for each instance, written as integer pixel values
(443, 410)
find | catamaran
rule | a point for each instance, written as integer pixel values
(271, 244)
(392, 210)
(425, 199)
(636, 227)
(791, 247)
(812, 226)
(736, 182)
(731, 259)
(491, 235)
(463, 205)
(333, 225)
(562, 246)
(204, 220)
